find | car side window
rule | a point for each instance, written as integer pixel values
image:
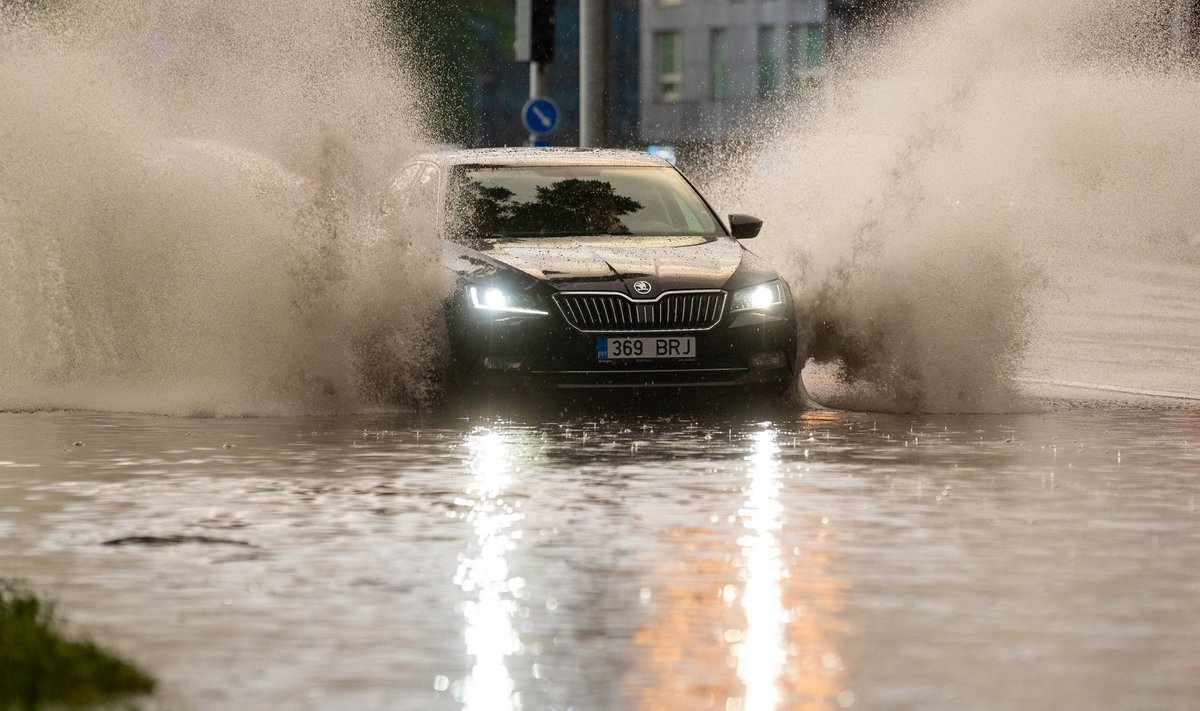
(406, 177)
(416, 187)
(395, 199)
(424, 189)
(410, 202)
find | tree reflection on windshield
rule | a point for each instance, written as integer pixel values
(565, 207)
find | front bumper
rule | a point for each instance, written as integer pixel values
(742, 349)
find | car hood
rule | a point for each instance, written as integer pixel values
(614, 263)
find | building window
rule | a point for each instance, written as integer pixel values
(806, 47)
(768, 64)
(718, 65)
(670, 67)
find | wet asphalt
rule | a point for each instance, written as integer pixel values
(593, 555)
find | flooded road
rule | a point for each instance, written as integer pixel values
(786, 560)
(999, 196)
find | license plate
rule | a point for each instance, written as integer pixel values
(646, 347)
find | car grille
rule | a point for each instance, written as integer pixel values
(615, 313)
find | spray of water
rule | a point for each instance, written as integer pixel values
(962, 177)
(189, 218)
(189, 214)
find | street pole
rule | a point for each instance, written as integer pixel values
(593, 72)
(537, 89)
(535, 22)
(1178, 27)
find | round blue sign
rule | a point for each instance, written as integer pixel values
(540, 116)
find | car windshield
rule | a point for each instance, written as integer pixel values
(510, 202)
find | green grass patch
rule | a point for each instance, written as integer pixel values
(40, 668)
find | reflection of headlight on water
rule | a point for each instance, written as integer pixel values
(489, 464)
(484, 573)
(762, 655)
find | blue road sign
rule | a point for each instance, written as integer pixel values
(540, 116)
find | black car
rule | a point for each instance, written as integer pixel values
(586, 268)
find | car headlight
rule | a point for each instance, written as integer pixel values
(761, 296)
(492, 298)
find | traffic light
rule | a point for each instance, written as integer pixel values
(541, 32)
(535, 31)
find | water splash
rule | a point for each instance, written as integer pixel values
(188, 217)
(952, 188)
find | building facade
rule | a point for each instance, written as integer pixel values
(709, 67)
(712, 70)
(1185, 29)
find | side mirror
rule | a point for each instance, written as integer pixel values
(744, 226)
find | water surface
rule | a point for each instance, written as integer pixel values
(816, 560)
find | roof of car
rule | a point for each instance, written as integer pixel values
(542, 156)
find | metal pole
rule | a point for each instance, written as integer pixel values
(1190, 10)
(537, 88)
(593, 72)
(1178, 34)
